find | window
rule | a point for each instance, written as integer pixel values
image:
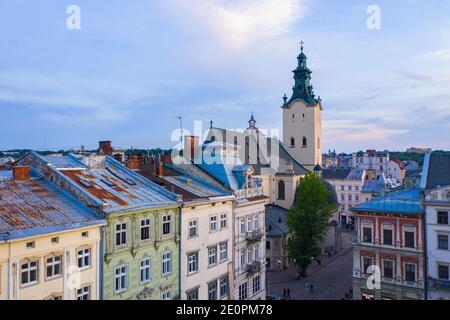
(223, 252)
(356, 197)
(243, 257)
(85, 234)
(243, 226)
(29, 273)
(367, 234)
(249, 224)
(349, 188)
(367, 264)
(443, 272)
(410, 272)
(409, 239)
(356, 188)
(268, 245)
(343, 197)
(292, 142)
(84, 293)
(223, 221)
(212, 290)
(145, 229)
(84, 258)
(55, 240)
(193, 228)
(388, 269)
(350, 197)
(213, 223)
(212, 256)
(167, 263)
(256, 253)
(166, 295)
(223, 287)
(305, 142)
(443, 242)
(387, 236)
(342, 188)
(53, 266)
(30, 245)
(256, 222)
(167, 224)
(146, 270)
(442, 217)
(193, 262)
(281, 190)
(192, 295)
(120, 279)
(256, 284)
(243, 293)
(121, 234)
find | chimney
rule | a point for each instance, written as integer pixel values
(191, 148)
(105, 148)
(160, 169)
(21, 173)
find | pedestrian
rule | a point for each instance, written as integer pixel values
(319, 262)
(307, 288)
(311, 288)
(284, 293)
(288, 294)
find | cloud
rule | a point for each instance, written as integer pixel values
(439, 55)
(350, 131)
(240, 24)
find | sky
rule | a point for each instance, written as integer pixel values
(134, 66)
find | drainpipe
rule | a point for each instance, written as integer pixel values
(179, 251)
(101, 259)
(425, 246)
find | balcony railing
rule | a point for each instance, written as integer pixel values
(439, 283)
(254, 267)
(254, 236)
(249, 193)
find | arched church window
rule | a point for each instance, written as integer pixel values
(305, 142)
(213, 138)
(281, 190)
(292, 142)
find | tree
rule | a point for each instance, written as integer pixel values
(308, 221)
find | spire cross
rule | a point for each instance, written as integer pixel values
(301, 44)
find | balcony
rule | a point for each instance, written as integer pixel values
(254, 236)
(439, 284)
(249, 193)
(254, 267)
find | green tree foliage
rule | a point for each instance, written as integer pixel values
(308, 221)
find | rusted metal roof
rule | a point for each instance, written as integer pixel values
(36, 206)
(112, 183)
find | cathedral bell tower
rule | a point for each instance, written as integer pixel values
(302, 118)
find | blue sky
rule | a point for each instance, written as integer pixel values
(134, 66)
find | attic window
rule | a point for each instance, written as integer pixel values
(85, 183)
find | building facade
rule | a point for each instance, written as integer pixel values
(50, 243)
(390, 244)
(141, 239)
(206, 231)
(436, 187)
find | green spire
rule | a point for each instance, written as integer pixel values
(303, 88)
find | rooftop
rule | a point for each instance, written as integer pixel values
(276, 218)
(109, 182)
(335, 174)
(36, 207)
(436, 171)
(401, 202)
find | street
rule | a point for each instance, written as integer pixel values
(331, 280)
